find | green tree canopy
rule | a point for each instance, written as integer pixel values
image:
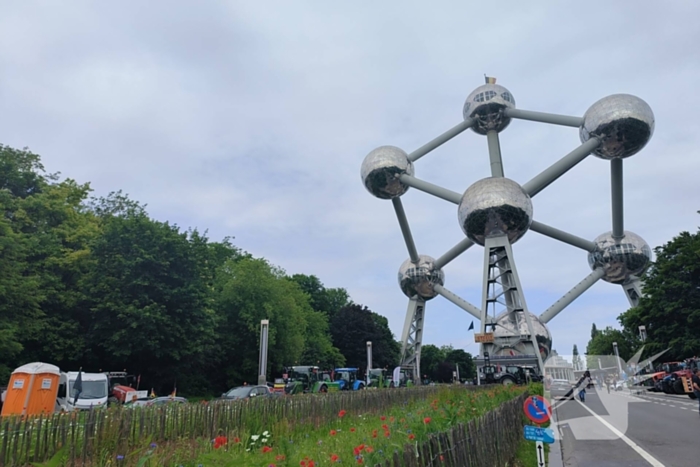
(670, 306)
(602, 344)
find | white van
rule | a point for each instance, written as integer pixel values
(93, 395)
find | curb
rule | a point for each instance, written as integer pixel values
(556, 453)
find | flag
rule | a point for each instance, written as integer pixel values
(490, 80)
(138, 382)
(78, 386)
(471, 326)
(174, 393)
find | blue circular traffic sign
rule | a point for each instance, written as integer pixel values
(537, 409)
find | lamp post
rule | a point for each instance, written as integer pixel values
(617, 354)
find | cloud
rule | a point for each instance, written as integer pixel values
(252, 119)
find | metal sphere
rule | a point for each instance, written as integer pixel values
(495, 206)
(419, 279)
(381, 170)
(486, 105)
(620, 259)
(623, 122)
(513, 325)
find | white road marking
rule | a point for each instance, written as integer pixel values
(647, 457)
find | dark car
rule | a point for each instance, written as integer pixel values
(156, 401)
(560, 388)
(246, 392)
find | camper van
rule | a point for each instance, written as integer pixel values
(93, 395)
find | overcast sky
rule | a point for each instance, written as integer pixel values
(251, 119)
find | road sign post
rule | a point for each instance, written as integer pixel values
(537, 409)
(542, 435)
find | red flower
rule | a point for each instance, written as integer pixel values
(442, 458)
(426, 420)
(266, 449)
(385, 426)
(391, 419)
(279, 457)
(352, 430)
(333, 432)
(383, 417)
(369, 449)
(220, 441)
(342, 413)
(236, 440)
(411, 436)
(360, 461)
(334, 458)
(387, 434)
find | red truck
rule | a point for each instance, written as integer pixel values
(121, 387)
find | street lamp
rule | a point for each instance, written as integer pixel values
(617, 354)
(642, 333)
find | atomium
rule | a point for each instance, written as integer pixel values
(381, 170)
(514, 324)
(487, 105)
(495, 206)
(620, 259)
(419, 279)
(622, 122)
(496, 212)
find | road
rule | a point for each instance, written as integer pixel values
(629, 430)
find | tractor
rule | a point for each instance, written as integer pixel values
(305, 379)
(378, 378)
(681, 379)
(347, 379)
(512, 374)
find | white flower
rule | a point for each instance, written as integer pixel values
(266, 433)
(255, 437)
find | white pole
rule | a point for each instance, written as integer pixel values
(369, 360)
(262, 366)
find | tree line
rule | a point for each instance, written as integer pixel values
(669, 309)
(97, 283)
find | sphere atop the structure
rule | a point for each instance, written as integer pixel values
(419, 279)
(487, 105)
(514, 325)
(620, 259)
(624, 123)
(495, 206)
(381, 170)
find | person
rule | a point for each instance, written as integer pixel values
(607, 384)
(696, 386)
(583, 383)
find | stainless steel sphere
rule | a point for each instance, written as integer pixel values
(419, 279)
(623, 122)
(513, 325)
(620, 259)
(381, 170)
(495, 206)
(486, 105)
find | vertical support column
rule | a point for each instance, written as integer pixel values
(412, 337)
(369, 361)
(618, 222)
(495, 153)
(633, 291)
(262, 366)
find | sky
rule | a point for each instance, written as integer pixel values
(251, 120)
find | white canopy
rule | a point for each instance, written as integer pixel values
(36, 368)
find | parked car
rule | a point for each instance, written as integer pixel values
(560, 388)
(246, 392)
(155, 401)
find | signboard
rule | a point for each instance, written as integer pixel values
(481, 338)
(535, 433)
(540, 454)
(46, 383)
(537, 409)
(18, 384)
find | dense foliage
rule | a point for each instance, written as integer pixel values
(98, 284)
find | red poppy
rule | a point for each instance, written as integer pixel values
(426, 420)
(383, 417)
(279, 457)
(266, 449)
(352, 430)
(334, 457)
(387, 434)
(385, 426)
(236, 440)
(342, 413)
(369, 449)
(220, 441)
(333, 432)
(411, 436)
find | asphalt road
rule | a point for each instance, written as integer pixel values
(642, 430)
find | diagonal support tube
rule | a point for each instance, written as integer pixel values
(495, 153)
(427, 187)
(405, 229)
(460, 302)
(440, 140)
(572, 295)
(559, 168)
(453, 252)
(562, 236)
(543, 117)
(618, 220)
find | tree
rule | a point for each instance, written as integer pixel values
(576, 359)
(328, 301)
(352, 326)
(602, 344)
(467, 368)
(594, 331)
(431, 357)
(670, 306)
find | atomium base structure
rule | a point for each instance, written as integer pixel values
(496, 212)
